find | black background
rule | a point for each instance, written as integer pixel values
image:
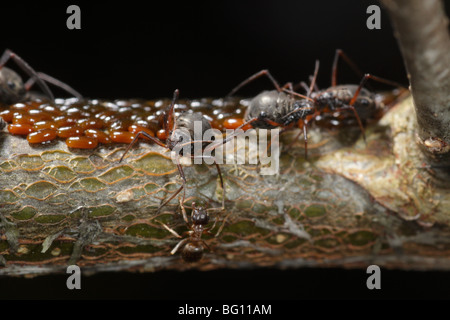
(147, 49)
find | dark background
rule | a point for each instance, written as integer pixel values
(147, 49)
(132, 49)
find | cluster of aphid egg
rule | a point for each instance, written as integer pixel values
(85, 125)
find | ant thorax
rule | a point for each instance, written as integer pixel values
(12, 88)
(192, 251)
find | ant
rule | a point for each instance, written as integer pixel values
(356, 98)
(193, 250)
(280, 108)
(178, 130)
(12, 88)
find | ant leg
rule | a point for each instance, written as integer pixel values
(183, 212)
(207, 247)
(288, 85)
(146, 135)
(257, 75)
(298, 94)
(55, 82)
(340, 54)
(219, 172)
(8, 54)
(175, 249)
(305, 134)
(170, 229)
(313, 81)
(207, 230)
(223, 224)
(169, 122)
(183, 186)
(301, 84)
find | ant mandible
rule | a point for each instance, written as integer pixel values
(12, 88)
(175, 130)
(195, 245)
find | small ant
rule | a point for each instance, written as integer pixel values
(13, 90)
(275, 108)
(193, 250)
(175, 129)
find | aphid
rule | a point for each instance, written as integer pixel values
(194, 244)
(12, 88)
(175, 129)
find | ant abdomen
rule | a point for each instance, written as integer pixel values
(192, 252)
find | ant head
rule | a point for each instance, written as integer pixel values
(12, 89)
(192, 251)
(199, 215)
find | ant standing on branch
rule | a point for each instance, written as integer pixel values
(180, 133)
(195, 245)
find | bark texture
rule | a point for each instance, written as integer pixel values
(421, 28)
(349, 205)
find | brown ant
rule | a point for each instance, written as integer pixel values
(195, 245)
(13, 90)
(275, 108)
(179, 132)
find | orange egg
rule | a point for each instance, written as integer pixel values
(20, 129)
(44, 125)
(7, 115)
(136, 129)
(81, 142)
(161, 134)
(90, 123)
(97, 134)
(233, 123)
(41, 136)
(66, 132)
(122, 136)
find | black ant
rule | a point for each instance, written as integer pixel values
(176, 129)
(13, 90)
(275, 108)
(195, 245)
(356, 98)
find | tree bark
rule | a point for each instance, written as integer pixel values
(349, 205)
(421, 28)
